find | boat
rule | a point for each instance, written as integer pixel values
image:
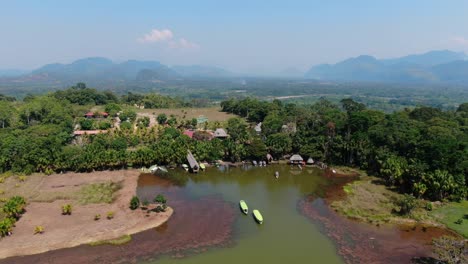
(244, 207)
(185, 166)
(153, 168)
(202, 166)
(258, 216)
(276, 174)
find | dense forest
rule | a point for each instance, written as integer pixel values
(423, 151)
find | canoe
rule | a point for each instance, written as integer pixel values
(185, 166)
(258, 216)
(244, 207)
(202, 166)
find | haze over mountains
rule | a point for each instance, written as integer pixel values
(432, 67)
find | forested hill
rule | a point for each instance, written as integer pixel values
(423, 151)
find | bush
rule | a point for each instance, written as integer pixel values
(134, 203)
(459, 221)
(407, 203)
(158, 209)
(38, 230)
(429, 206)
(14, 207)
(67, 209)
(160, 199)
(110, 215)
(97, 217)
(6, 226)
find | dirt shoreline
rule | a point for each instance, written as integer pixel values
(65, 231)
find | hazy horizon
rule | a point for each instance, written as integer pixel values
(243, 37)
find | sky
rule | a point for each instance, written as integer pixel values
(242, 36)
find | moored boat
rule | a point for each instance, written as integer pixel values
(185, 166)
(244, 207)
(202, 166)
(258, 216)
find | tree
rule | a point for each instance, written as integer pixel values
(67, 209)
(162, 118)
(279, 144)
(128, 115)
(237, 129)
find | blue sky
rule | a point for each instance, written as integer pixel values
(243, 36)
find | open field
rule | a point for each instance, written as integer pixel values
(89, 194)
(212, 113)
(451, 213)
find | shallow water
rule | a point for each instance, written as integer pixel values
(208, 227)
(285, 235)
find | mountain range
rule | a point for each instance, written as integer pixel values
(431, 67)
(441, 66)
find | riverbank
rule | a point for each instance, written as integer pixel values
(47, 194)
(368, 199)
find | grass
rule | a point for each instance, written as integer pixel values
(98, 193)
(371, 202)
(449, 213)
(117, 241)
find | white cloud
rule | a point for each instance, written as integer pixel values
(460, 41)
(183, 44)
(157, 36)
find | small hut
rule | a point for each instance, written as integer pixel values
(220, 133)
(310, 161)
(296, 159)
(194, 166)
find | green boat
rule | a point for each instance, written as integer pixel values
(258, 216)
(202, 166)
(244, 207)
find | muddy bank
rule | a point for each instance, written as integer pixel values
(359, 242)
(195, 226)
(64, 231)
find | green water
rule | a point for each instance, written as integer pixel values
(285, 236)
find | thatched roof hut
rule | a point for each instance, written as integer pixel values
(296, 158)
(220, 133)
(310, 161)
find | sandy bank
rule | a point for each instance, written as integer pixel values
(63, 231)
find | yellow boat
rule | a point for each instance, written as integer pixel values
(258, 216)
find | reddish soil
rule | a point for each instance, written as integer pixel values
(195, 226)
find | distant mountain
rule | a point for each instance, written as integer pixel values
(201, 71)
(103, 70)
(433, 66)
(12, 72)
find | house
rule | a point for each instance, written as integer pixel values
(296, 159)
(189, 133)
(220, 133)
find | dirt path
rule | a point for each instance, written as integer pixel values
(63, 231)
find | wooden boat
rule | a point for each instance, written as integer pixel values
(244, 207)
(258, 216)
(185, 166)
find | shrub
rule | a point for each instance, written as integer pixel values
(110, 215)
(429, 206)
(14, 207)
(145, 205)
(67, 209)
(22, 178)
(407, 203)
(164, 207)
(97, 217)
(158, 209)
(459, 221)
(134, 203)
(38, 230)
(160, 199)
(6, 226)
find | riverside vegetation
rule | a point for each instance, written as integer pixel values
(421, 152)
